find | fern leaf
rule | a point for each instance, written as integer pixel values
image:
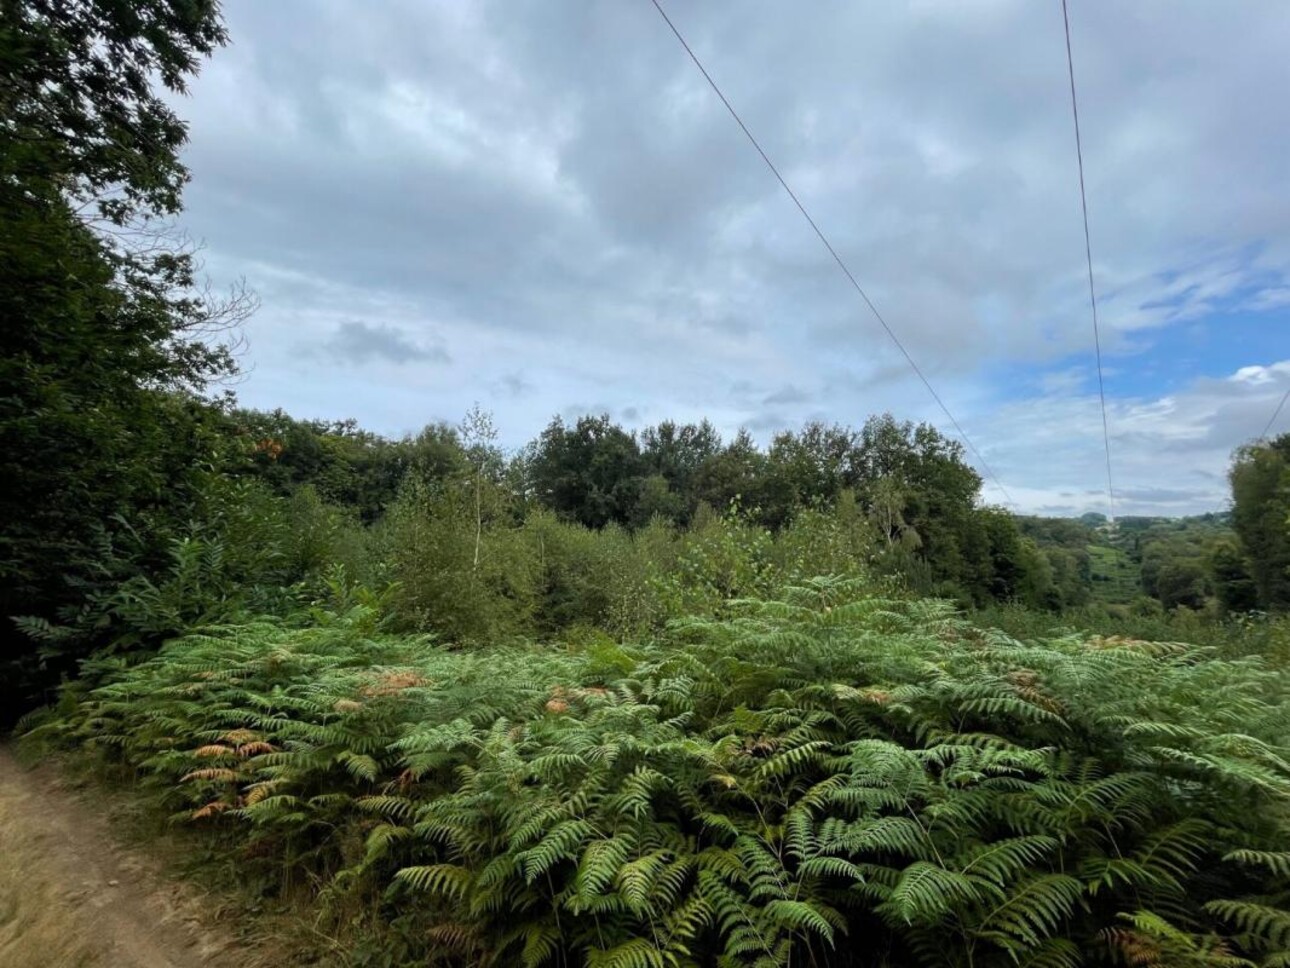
(449, 880)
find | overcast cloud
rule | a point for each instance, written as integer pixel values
(542, 206)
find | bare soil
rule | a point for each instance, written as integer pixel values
(71, 894)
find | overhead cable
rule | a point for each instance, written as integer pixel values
(834, 253)
(1088, 255)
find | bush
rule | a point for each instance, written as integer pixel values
(245, 552)
(827, 778)
(1235, 636)
(428, 542)
(721, 557)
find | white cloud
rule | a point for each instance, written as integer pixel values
(1170, 453)
(551, 192)
(1261, 374)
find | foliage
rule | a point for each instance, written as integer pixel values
(107, 333)
(80, 106)
(590, 472)
(1114, 577)
(719, 559)
(726, 761)
(428, 544)
(825, 777)
(1260, 478)
(1197, 563)
(245, 552)
(1231, 636)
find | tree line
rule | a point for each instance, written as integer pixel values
(919, 497)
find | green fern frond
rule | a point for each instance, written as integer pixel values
(1278, 862)
(926, 892)
(449, 880)
(1271, 925)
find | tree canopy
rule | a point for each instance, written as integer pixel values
(1260, 478)
(108, 334)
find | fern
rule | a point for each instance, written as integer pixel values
(743, 791)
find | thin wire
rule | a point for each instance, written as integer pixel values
(833, 252)
(1088, 254)
(1275, 414)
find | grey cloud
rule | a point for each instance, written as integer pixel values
(576, 411)
(787, 394)
(359, 342)
(513, 385)
(1163, 495)
(768, 422)
(434, 119)
(555, 192)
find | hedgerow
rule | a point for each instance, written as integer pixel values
(826, 778)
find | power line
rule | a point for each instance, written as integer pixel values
(1088, 254)
(1276, 413)
(833, 252)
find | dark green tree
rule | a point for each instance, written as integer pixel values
(347, 465)
(733, 475)
(591, 472)
(1183, 582)
(106, 337)
(807, 469)
(1231, 577)
(675, 454)
(939, 491)
(1260, 478)
(83, 117)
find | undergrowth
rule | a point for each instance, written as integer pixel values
(826, 778)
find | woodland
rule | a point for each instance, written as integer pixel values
(627, 698)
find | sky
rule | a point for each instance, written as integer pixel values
(541, 207)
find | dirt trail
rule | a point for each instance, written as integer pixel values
(72, 895)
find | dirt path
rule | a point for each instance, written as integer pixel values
(72, 895)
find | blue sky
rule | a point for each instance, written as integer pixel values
(542, 207)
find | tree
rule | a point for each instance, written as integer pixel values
(590, 473)
(1231, 576)
(939, 492)
(1260, 479)
(1005, 573)
(347, 466)
(676, 453)
(887, 512)
(479, 436)
(806, 469)
(1182, 582)
(107, 338)
(733, 474)
(657, 499)
(81, 114)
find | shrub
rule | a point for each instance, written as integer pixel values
(722, 557)
(245, 552)
(428, 543)
(827, 778)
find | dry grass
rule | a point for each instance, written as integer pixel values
(74, 893)
(91, 874)
(41, 924)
